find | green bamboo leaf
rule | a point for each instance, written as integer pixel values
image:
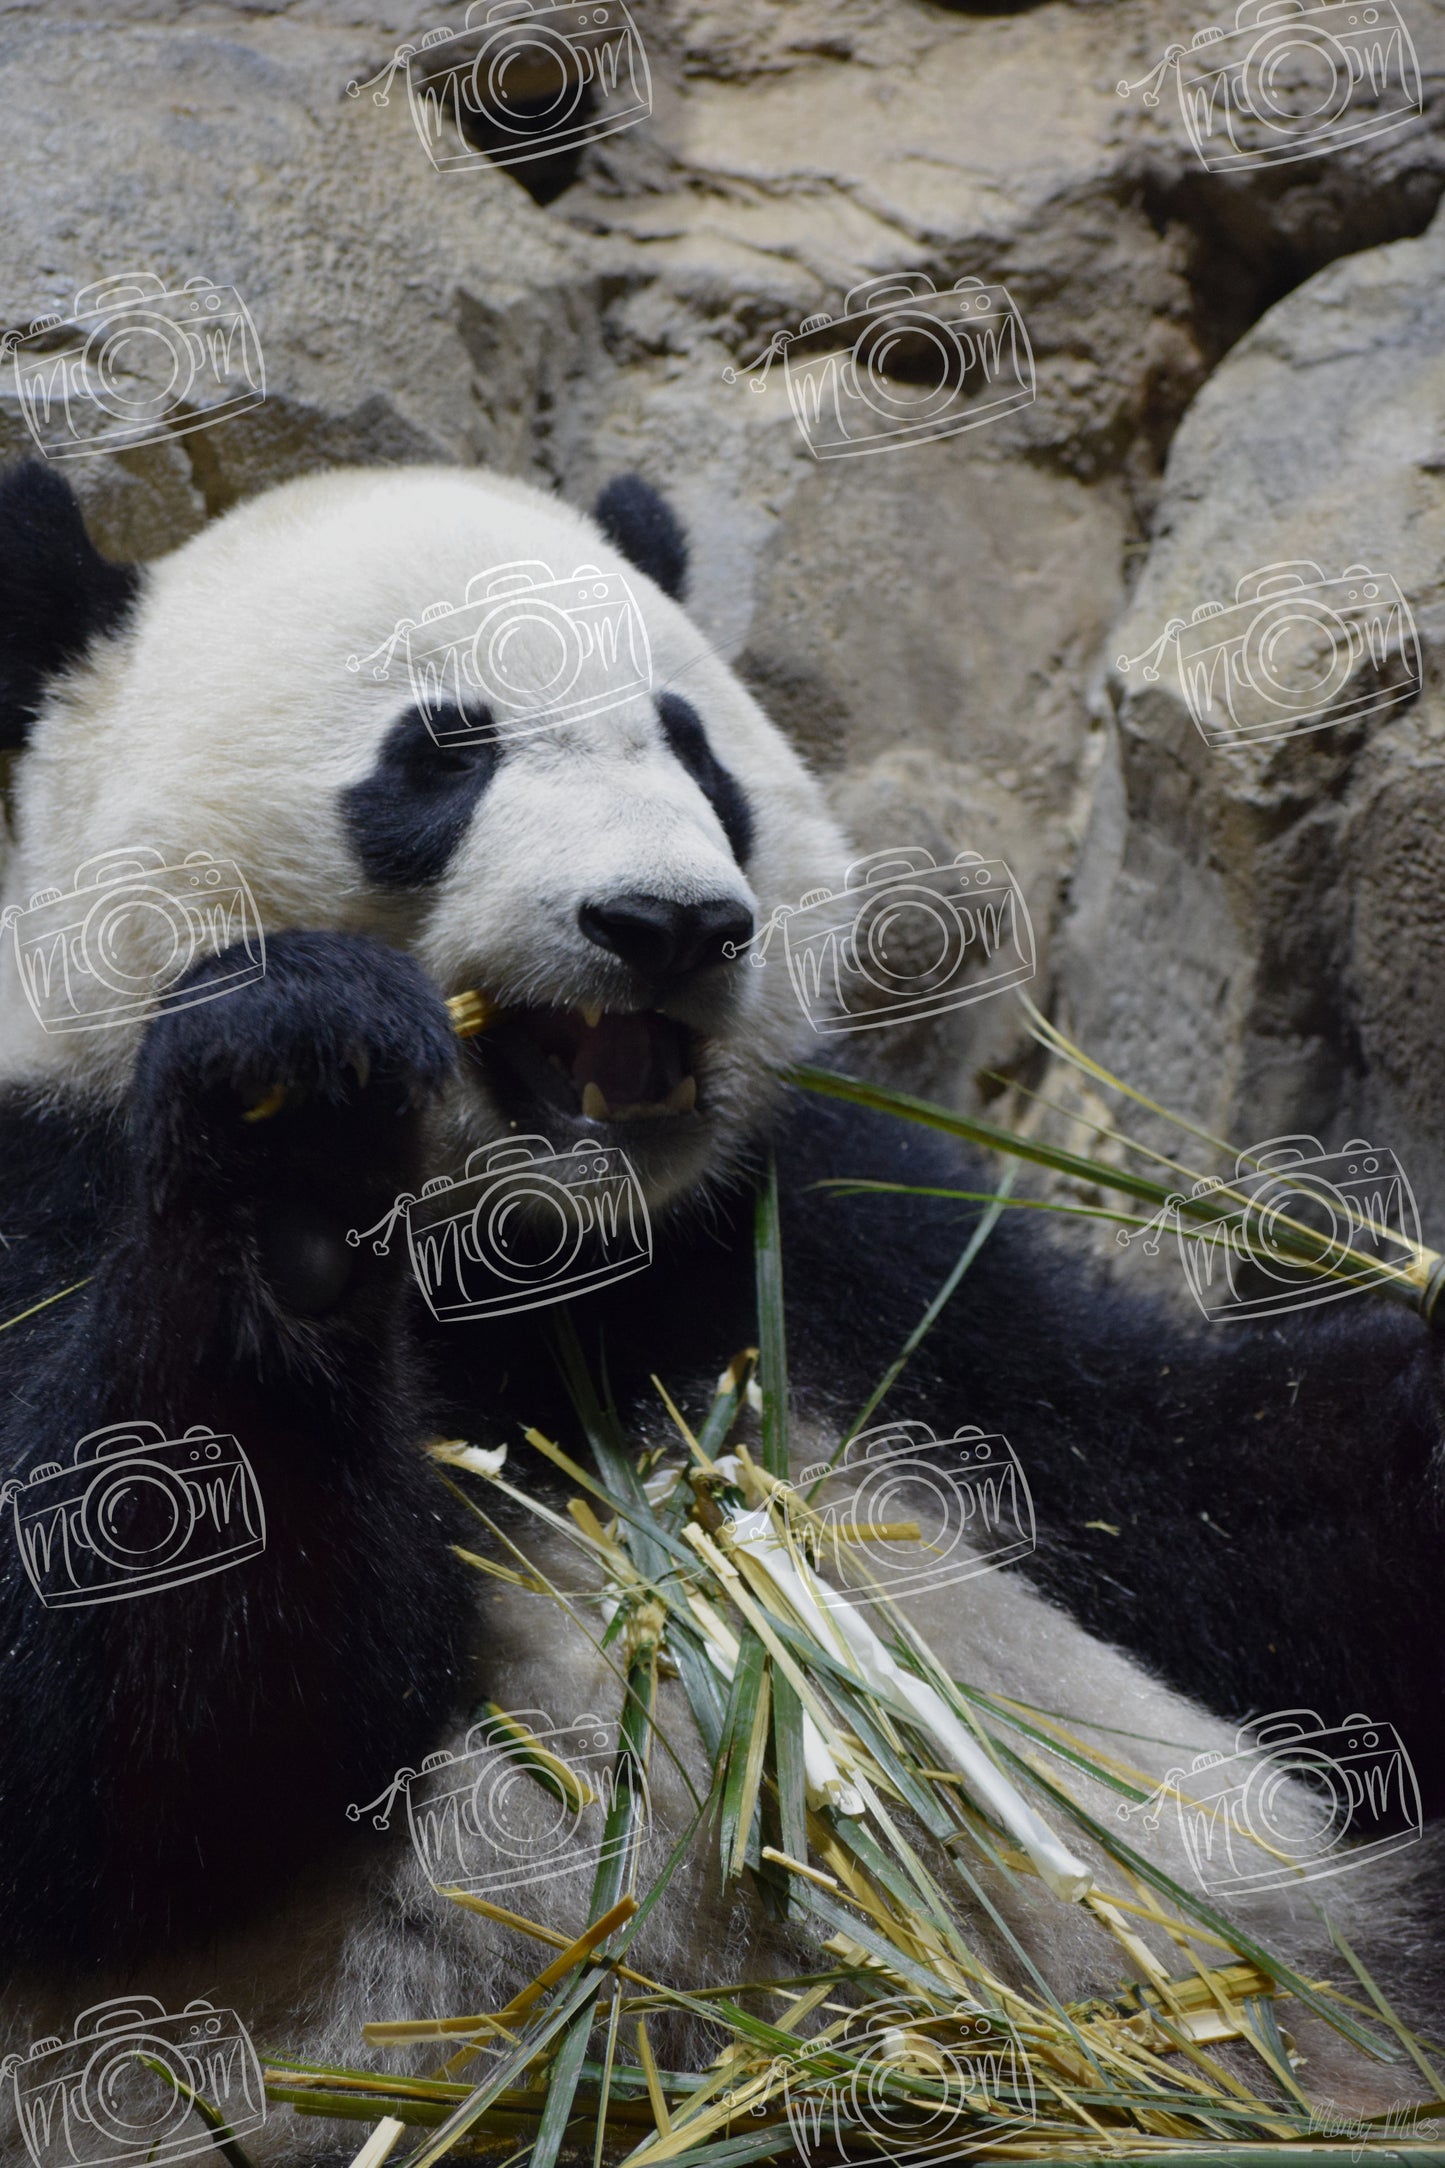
(978, 1235)
(223, 2138)
(622, 1835)
(772, 1331)
(723, 1413)
(355, 2108)
(764, 2142)
(560, 2105)
(45, 1302)
(700, 1681)
(1221, 1209)
(614, 1464)
(506, 2072)
(854, 1091)
(745, 1732)
(1402, 2031)
(788, 1764)
(839, 1920)
(652, 1543)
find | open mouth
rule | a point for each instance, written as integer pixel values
(606, 1066)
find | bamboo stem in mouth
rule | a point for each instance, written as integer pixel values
(1430, 1268)
(471, 1013)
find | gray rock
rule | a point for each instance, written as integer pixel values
(925, 620)
(1254, 935)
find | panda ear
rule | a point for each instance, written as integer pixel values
(57, 593)
(643, 526)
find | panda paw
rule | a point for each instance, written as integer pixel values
(289, 1109)
(331, 1014)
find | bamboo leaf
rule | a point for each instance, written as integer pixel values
(745, 1732)
(622, 1834)
(223, 2139)
(772, 1331)
(854, 1091)
(788, 1762)
(978, 1235)
(45, 1302)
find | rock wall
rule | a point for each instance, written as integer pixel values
(1232, 369)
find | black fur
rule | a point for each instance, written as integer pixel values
(1278, 1490)
(407, 817)
(57, 593)
(170, 1758)
(153, 1746)
(683, 728)
(643, 526)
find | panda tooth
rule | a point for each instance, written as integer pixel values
(683, 1097)
(590, 1013)
(594, 1103)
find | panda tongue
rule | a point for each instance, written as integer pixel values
(633, 1060)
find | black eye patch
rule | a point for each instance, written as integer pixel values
(688, 741)
(408, 816)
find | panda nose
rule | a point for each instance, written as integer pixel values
(664, 939)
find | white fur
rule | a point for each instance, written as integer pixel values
(227, 720)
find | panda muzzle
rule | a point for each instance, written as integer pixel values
(609, 1066)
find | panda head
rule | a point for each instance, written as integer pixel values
(586, 822)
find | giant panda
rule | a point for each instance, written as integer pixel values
(1228, 1521)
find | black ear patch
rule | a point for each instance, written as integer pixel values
(688, 741)
(57, 593)
(644, 527)
(408, 816)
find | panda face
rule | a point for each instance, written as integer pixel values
(593, 893)
(596, 876)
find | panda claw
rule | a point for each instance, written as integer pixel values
(264, 1108)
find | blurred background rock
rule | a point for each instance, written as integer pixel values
(1233, 369)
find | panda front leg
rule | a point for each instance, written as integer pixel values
(189, 1704)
